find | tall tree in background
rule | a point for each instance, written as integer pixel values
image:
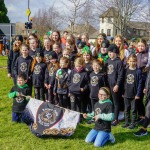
(47, 19)
(73, 11)
(3, 13)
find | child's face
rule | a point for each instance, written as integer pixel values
(79, 50)
(102, 95)
(17, 42)
(96, 67)
(100, 40)
(24, 51)
(33, 44)
(66, 54)
(69, 46)
(132, 62)
(21, 81)
(118, 41)
(104, 50)
(86, 57)
(141, 47)
(56, 48)
(84, 38)
(112, 55)
(78, 67)
(47, 44)
(63, 64)
(38, 59)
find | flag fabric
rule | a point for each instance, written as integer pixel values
(48, 119)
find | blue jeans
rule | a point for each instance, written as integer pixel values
(98, 137)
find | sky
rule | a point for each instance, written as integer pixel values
(17, 8)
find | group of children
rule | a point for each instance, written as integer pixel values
(102, 82)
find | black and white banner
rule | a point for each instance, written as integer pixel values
(49, 119)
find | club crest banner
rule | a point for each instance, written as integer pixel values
(48, 119)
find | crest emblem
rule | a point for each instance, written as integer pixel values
(110, 69)
(23, 67)
(76, 78)
(130, 78)
(94, 80)
(37, 69)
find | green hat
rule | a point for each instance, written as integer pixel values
(49, 33)
(86, 49)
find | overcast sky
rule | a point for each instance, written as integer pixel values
(17, 8)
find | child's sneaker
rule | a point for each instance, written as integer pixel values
(111, 138)
(141, 132)
(125, 125)
(132, 126)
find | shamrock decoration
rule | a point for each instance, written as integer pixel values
(86, 49)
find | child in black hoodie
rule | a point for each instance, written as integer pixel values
(38, 74)
(132, 91)
(23, 64)
(61, 87)
(78, 83)
(115, 78)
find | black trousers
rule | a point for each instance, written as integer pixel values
(39, 93)
(63, 100)
(77, 104)
(130, 105)
(116, 97)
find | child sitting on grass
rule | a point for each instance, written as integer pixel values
(19, 93)
(103, 115)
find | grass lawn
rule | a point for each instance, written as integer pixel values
(18, 136)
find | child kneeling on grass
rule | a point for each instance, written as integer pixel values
(103, 115)
(19, 93)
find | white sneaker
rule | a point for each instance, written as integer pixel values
(111, 138)
(121, 116)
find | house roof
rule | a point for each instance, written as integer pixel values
(139, 25)
(82, 28)
(94, 35)
(111, 12)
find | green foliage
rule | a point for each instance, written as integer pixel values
(3, 13)
(17, 136)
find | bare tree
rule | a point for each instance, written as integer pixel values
(45, 20)
(126, 9)
(73, 8)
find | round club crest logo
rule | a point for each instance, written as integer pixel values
(76, 78)
(97, 111)
(130, 78)
(19, 99)
(110, 69)
(37, 69)
(23, 67)
(94, 80)
(51, 71)
(46, 58)
(47, 117)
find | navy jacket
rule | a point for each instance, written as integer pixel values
(12, 56)
(23, 65)
(115, 72)
(39, 74)
(77, 80)
(137, 82)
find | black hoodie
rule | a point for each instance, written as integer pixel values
(115, 72)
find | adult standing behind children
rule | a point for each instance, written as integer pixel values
(14, 53)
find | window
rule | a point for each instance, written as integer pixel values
(108, 32)
(109, 20)
(102, 20)
(116, 32)
(102, 30)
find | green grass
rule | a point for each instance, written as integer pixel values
(18, 136)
